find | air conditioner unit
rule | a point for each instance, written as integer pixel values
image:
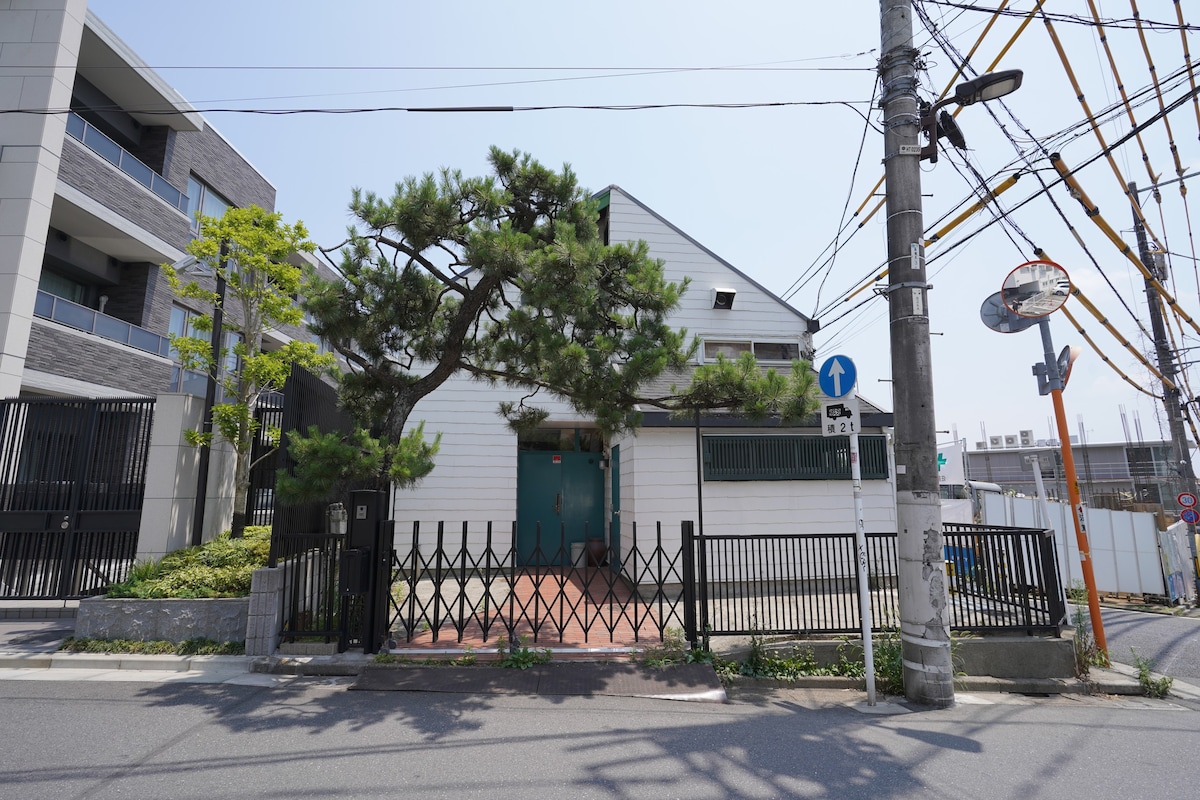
(981, 445)
(1010, 440)
(996, 442)
(1027, 439)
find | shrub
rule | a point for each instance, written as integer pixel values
(188, 647)
(220, 568)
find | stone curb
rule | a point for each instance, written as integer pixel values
(126, 661)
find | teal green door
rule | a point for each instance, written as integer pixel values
(563, 491)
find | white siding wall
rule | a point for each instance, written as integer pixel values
(475, 477)
(658, 483)
(755, 314)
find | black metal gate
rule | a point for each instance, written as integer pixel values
(72, 481)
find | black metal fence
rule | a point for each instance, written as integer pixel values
(1003, 579)
(307, 402)
(72, 482)
(790, 583)
(471, 584)
(998, 579)
(260, 502)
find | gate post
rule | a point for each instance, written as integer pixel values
(689, 583)
(1056, 604)
(368, 536)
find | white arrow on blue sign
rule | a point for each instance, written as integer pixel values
(837, 376)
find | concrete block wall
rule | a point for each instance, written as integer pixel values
(264, 619)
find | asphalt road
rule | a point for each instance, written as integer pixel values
(1171, 643)
(315, 739)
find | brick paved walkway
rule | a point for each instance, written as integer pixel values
(559, 607)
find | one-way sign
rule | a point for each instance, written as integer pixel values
(837, 376)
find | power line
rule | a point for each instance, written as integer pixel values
(157, 111)
(1125, 23)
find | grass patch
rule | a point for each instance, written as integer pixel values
(674, 649)
(188, 647)
(518, 656)
(220, 568)
(467, 659)
(1151, 686)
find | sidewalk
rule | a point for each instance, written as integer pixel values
(29, 650)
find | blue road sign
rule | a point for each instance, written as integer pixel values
(1190, 516)
(837, 376)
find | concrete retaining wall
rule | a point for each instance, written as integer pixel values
(220, 619)
(996, 656)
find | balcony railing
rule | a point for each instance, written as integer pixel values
(125, 161)
(73, 315)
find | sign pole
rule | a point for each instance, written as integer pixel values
(864, 597)
(837, 378)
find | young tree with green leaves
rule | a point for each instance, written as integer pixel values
(250, 250)
(507, 278)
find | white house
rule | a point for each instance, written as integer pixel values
(755, 479)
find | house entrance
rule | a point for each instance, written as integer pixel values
(560, 495)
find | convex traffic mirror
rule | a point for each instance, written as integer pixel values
(1036, 288)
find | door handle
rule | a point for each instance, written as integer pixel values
(558, 504)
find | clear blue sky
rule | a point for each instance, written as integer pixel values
(765, 188)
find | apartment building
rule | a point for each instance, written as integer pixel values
(103, 168)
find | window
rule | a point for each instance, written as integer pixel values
(791, 458)
(763, 351)
(187, 381)
(64, 287)
(204, 200)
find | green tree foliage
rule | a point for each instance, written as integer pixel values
(507, 278)
(261, 287)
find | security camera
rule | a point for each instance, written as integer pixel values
(722, 299)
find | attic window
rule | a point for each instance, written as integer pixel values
(763, 351)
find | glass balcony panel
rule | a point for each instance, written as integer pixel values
(143, 339)
(137, 170)
(43, 306)
(103, 146)
(112, 328)
(76, 126)
(76, 316)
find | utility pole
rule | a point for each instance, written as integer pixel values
(1181, 453)
(924, 606)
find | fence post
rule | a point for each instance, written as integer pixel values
(689, 584)
(1056, 604)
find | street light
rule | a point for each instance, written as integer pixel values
(190, 265)
(921, 566)
(977, 90)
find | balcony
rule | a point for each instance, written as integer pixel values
(81, 318)
(83, 131)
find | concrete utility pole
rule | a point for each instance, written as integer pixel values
(1181, 453)
(924, 606)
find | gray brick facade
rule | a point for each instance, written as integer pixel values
(107, 185)
(95, 360)
(215, 162)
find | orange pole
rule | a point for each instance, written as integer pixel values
(1081, 537)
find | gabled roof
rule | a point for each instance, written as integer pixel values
(602, 197)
